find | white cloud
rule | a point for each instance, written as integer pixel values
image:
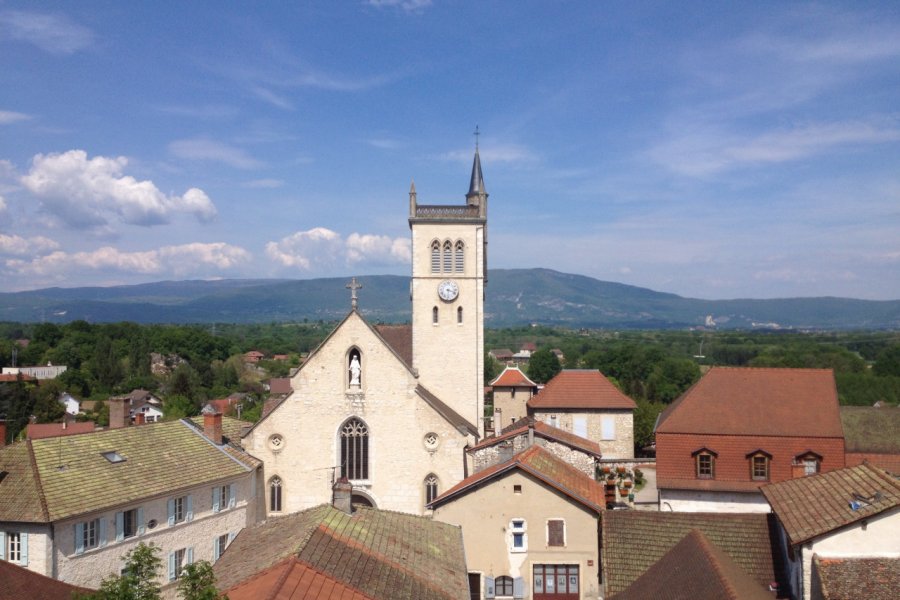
(87, 192)
(506, 153)
(180, 260)
(55, 34)
(3, 207)
(407, 5)
(9, 116)
(264, 183)
(319, 249)
(204, 149)
(384, 143)
(272, 98)
(14, 245)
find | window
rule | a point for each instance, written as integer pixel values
(608, 428)
(759, 466)
(223, 497)
(178, 560)
(434, 315)
(90, 534)
(129, 523)
(275, 494)
(458, 257)
(459, 315)
(810, 466)
(705, 463)
(113, 456)
(503, 586)
(556, 532)
(556, 579)
(220, 543)
(14, 547)
(180, 509)
(517, 489)
(518, 536)
(355, 450)
(448, 257)
(435, 256)
(431, 488)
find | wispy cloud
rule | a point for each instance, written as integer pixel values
(320, 249)
(87, 193)
(14, 245)
(53, 33)
(264, 184)
(9, 116)
(385, 143)
(210, 150)
(407, 5)
(208, 111)
(502, 153)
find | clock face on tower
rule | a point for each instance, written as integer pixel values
(448, 290)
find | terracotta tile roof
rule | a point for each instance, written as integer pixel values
(544, 466)
(294, 580)
(695, 568)
(280, 385)
(512, 377)
(751, 401)
(452, 417)
(18, 582)
(872, 430)
(581, 388)
(39, 431)
(633, 541)
(9, 378)
(20, 490)
(542, 430)
(159, 458)
(808, 507)
(854, 578)
(399, 338)
(378, 554)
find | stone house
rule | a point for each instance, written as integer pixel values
(530, 528)
(847, 514)
(587, 404)
(71, 507)
(512, 390)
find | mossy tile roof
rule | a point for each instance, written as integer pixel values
(20, 491)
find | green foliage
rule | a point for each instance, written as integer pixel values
(47, 407)
(888, 362)
(543, 366)
(492, 368)
(140, 578)
(179, 407)
(855, 389)
(197, 582)
(670, 378)
(645, 420)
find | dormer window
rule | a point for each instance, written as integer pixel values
(705, 463)
(759, 465)
(811, 462)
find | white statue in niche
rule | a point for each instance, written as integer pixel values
(355, 369)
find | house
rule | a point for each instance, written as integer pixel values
(146, 411)
(140, 396)
(872, 434)
(18, 582)
(512, 390)
(71, 507)
(738, 429)
(851, 513)
(391, 407)
(635, 544)
(529, 523)
(39, 372)
(253, 357)
(72, 404)
(501, 355)
(581, 453)
(353, 554)
(586, 403)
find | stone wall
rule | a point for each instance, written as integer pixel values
(486, 457)
(620, 446)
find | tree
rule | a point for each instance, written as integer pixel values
(492, 368)
(139, 579)
(47, 407)
(197, 582)
(543, 366)
(645, 420)
(888, 362)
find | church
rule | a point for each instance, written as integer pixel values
(392, 408)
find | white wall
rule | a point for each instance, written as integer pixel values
(701, 501)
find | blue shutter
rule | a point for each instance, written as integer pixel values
(189, 556)
(171, 566)
(518, 587)
(102, 532)
(215, 499)
(216, 548)
(190, 508)
(230, 537)
(231, 498)
(23, 540)
(170, 509)
(488, 587)
(140, 523)
(120, 526)
(79, 538)
(2, 545)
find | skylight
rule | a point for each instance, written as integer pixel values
(113, 456)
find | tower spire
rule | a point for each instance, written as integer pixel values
(476, 185)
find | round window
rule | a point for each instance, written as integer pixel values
(276, 442)
(432, 441)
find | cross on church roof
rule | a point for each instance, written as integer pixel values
(353, 286)
(477, 133)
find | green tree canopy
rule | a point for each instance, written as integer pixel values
(139, 579)
(197, 582)
(543, 366)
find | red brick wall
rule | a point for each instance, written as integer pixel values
(674, 460)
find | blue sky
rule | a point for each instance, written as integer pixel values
(713, 150)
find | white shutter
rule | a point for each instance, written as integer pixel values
(170, 509)
(488, 587)
(609, 428)
(102, 532)
(215, 499)
(23, 549)
(216, 549)
(518, 587)
(171, 566)
(120, 526)
(2, 545)
(190, 508)
(231, 498)
(79, 538)
(140, 523)
(189, 556)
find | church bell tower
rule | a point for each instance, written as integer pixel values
(449, 272)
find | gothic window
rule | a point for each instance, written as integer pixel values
(458, 257)
(435, 256)
(355, 450)
(275, 490)
(431, 488)
(434, 315)
(448, 256)
(354, 367)
(459, 315)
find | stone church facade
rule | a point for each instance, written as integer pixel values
(391, 408)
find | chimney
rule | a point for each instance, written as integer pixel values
(212, 424)
(118, 413)
(2, 433)
(530, 431)
(139, 418)
(798, 469)
(342, 495)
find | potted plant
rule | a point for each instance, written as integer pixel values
(627, 484)
(620, 470)
(606, 470)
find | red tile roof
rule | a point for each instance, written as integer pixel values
(695, 568)
(831, 494)
(280, 385)
(8, 378)
(38, 431)
(633, 541)
(854, 578)
(292, 579)
(399, 338)
(512, 377)
(543, 430)
(544, 466)
(751, 401)
(581, 388)
(18, 582)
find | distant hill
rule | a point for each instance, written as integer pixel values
(514, 297)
